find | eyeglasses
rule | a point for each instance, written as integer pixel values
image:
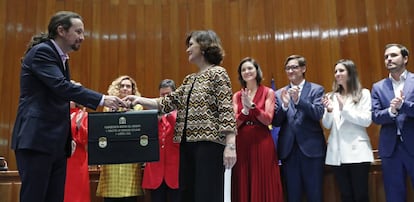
(292, 67)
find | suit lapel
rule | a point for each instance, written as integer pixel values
(66, 70)
(407, 90)
(305, 91)
(336, 115)
(408, 87)
(390, 90)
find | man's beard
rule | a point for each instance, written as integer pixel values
(75, 47)
(396, 69)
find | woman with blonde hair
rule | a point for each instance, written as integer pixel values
(121, 182)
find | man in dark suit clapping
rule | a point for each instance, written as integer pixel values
(393, 109)
(301, 143)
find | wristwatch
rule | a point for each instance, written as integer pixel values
(252, 106)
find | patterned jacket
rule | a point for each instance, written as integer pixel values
(210, 111)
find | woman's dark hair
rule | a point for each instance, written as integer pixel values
(259, 75)
(167, 83)
(353, 84)
(61, 18)
(210, 45)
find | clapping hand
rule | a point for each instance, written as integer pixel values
(396, 102)
(246, 99)
(285, 97)
(327, 103)
(294, 93)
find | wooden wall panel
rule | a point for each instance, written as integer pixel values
(145, 39)
(5, 121)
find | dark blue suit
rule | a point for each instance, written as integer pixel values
(301, 144)
(397, 156)
(41, 134)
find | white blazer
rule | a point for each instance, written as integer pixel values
(348, 140)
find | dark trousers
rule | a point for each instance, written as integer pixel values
(352, 180)
(201, 172)
(42, 175)
(302, 176)
(163, 194)
(394, 172)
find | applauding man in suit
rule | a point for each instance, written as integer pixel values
(301, 144)
(393, 109)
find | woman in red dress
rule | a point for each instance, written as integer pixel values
(77, 174)
(255, 176)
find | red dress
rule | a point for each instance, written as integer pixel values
(77, 174)
(256, 175)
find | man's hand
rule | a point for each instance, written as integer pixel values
(285, 98)
(113, 102)
(396, 103)
(294, 94)
(131, 100)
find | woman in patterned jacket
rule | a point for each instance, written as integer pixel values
(205, 125)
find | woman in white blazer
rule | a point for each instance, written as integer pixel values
(347, 114)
